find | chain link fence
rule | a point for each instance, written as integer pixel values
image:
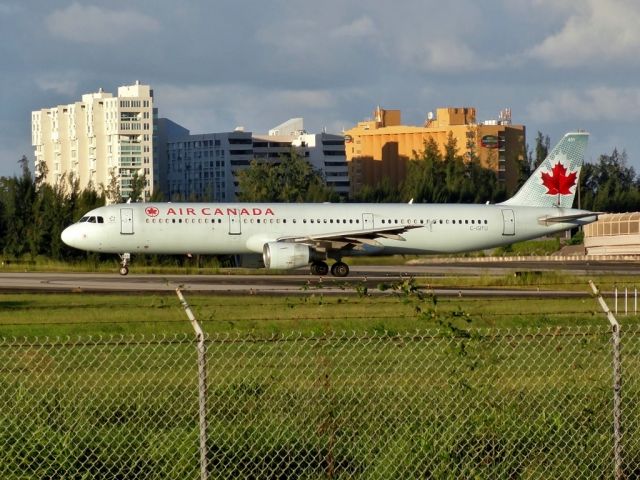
(518, 403)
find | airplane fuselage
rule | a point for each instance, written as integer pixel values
(203, 228)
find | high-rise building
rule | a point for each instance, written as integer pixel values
(100, 140)
(379, 149)
(205, 167)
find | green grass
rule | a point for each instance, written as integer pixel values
(290, 397)
(396, 311)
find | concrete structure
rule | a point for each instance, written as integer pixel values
(204, 167)
(324, 151)
(613, 234)
(97, 138)
(380, 148)
(164, 132)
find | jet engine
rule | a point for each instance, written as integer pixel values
(284, 255)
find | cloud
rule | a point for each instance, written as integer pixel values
(445, 56)
(62, 84)
(210, 108)
(359, 28)
(596, 32)
(95, 25)
(597, 103)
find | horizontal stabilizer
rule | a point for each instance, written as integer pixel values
(568, 218)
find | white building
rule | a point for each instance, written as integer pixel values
(204, 167)
(98, 138)
(324, 151)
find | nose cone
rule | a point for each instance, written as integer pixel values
(70, 236)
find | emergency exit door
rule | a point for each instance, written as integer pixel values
(126, 221)
(508, 222)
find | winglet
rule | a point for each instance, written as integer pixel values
(555, 181)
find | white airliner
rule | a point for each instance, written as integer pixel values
(289, 235)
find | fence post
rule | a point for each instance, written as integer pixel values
(202, 385)
(617, 382)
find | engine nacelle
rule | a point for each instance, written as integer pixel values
(284, 255)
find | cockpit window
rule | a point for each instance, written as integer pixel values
(92, 220)
(83, 219)
(100, 220)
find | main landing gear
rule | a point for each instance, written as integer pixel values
(124, 263)
(338, 269)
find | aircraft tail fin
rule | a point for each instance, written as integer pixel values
(555, 181)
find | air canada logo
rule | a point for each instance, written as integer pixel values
(558, 182)
(152, 211)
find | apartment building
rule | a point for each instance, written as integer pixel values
(98, 140)
(380, 148)
(205, 166)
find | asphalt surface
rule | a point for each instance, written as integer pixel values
(301, 282)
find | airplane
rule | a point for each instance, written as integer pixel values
(293, 235)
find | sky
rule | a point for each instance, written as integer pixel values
(560, 65)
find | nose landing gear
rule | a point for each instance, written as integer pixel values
(124, 263)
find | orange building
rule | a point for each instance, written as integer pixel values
(380, 149)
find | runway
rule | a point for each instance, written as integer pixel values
(301, 282)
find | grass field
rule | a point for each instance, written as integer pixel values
(479, 387)
(397, 311)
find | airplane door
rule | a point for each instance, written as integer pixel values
(126, 221)
(234, 225)
(508, 222)
(367, 221)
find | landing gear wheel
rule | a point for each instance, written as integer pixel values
(319, 268)
(124, 263)
(339, 269)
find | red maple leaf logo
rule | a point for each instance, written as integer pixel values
(558, 183)
(151, 211)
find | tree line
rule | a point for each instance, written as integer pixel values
(34, 213)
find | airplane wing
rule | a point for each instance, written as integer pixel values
(352, 239)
